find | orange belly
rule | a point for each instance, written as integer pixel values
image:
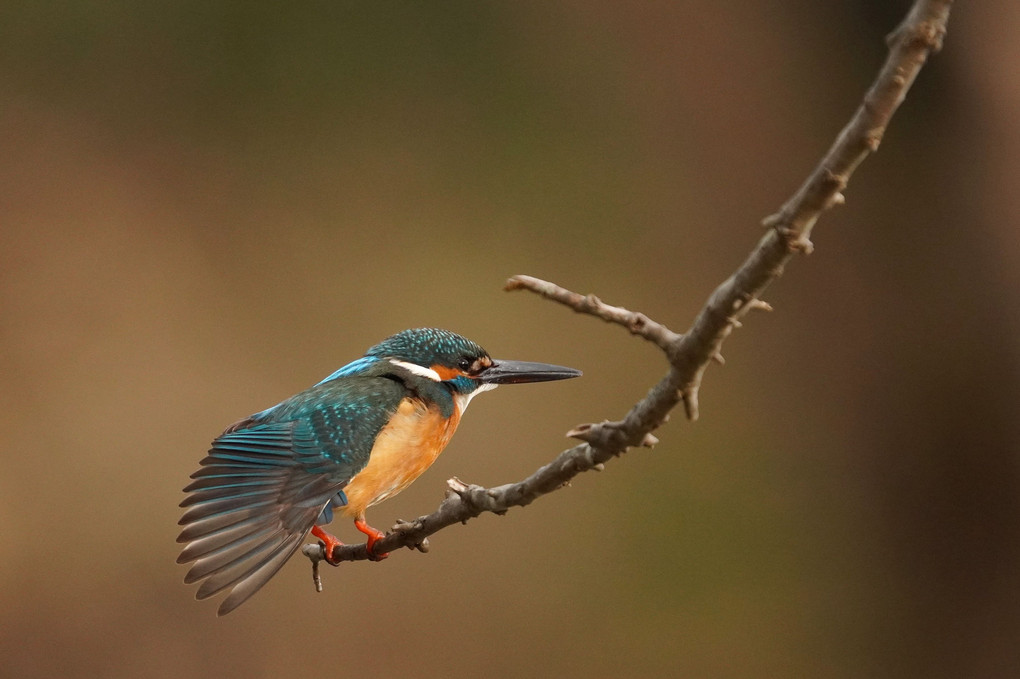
(405, 448)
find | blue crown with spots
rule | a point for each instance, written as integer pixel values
(428, 347)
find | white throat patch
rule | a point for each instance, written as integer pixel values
(463, 399)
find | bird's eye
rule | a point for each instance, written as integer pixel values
(464, 364)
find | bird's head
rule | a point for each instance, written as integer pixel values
(444, 356)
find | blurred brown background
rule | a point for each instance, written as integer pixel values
(206, 207)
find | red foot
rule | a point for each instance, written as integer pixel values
(374, 536)
(329, 543)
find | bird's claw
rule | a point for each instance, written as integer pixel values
(373, 535)
(328, 543)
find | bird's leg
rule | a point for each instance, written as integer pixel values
(373, 536)
(329, 543)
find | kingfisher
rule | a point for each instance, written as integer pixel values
(356, 438)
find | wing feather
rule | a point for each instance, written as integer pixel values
(263, 484)
(253, 510)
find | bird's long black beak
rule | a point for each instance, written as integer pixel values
(518, 372)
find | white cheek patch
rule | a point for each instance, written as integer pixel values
(419, 370)
(464, 399)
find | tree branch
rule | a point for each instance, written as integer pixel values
(688, 355)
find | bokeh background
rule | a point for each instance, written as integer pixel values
(206, 207)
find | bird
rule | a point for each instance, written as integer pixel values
(358, 437)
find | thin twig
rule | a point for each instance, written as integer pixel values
(637, 323)
(919, 35)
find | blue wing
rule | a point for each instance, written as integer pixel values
(264, 484)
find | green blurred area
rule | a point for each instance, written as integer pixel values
(208, 207)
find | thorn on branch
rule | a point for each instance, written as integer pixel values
(926, 35)
(873, 139)
(404, 527)
(580, 432)
(477, 498)
(606, 436)
(689, 395)
(838, 199)
(592, 434)
(794, 238)
(794, 230)
(456, 485)
(800, 243)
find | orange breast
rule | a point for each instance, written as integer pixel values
(405, 448)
